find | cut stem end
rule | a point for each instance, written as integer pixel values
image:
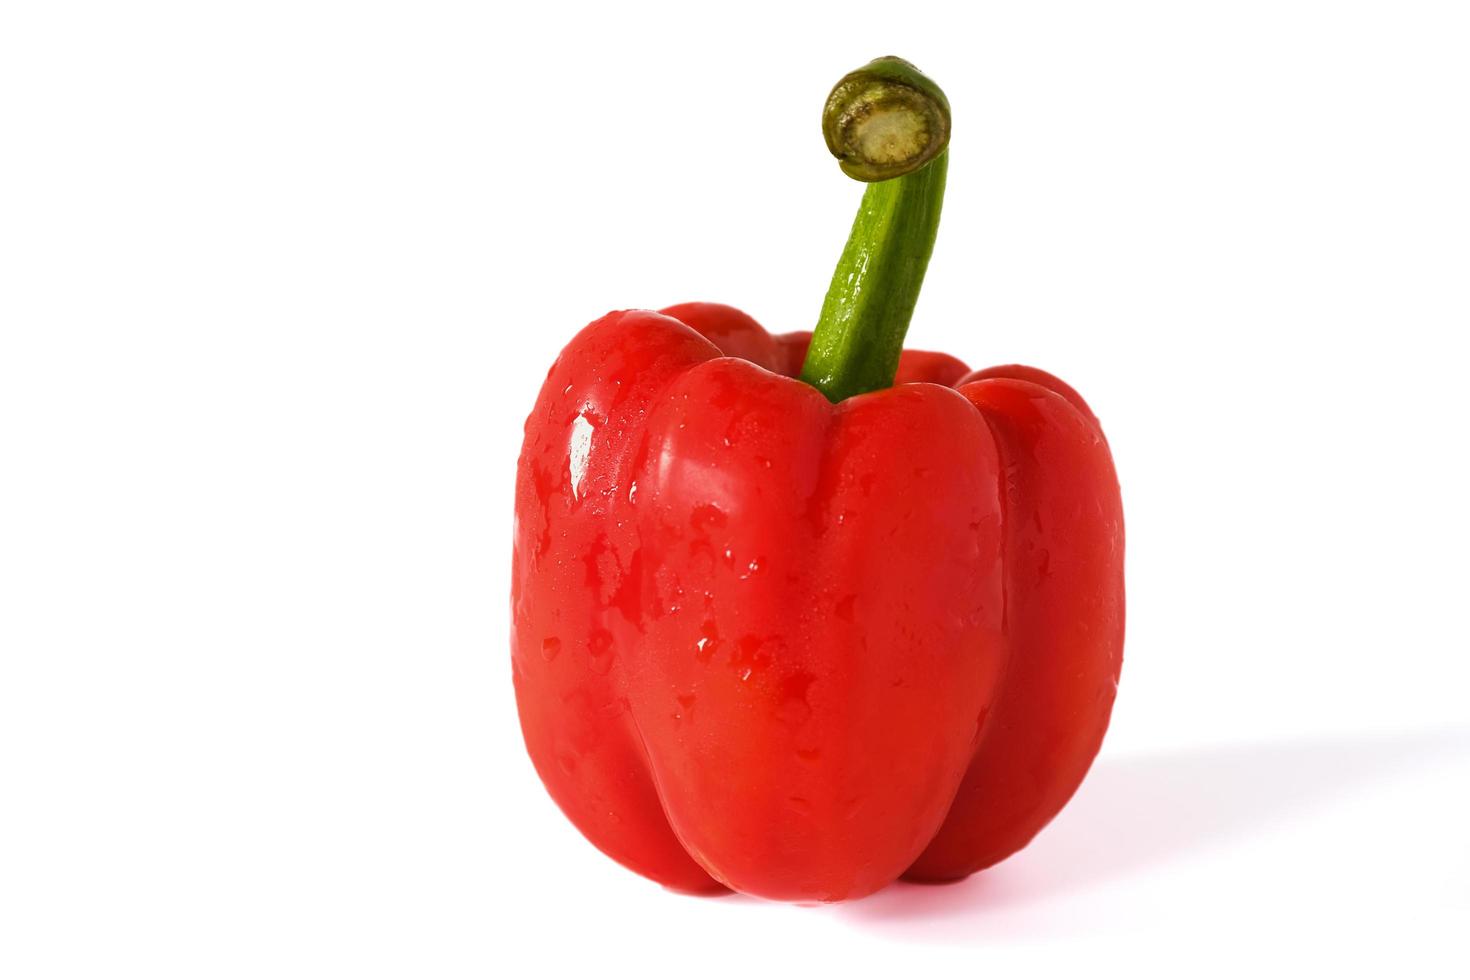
(885, 120)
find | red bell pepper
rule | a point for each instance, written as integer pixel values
(798, 615)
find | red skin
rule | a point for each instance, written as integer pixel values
(801, 649)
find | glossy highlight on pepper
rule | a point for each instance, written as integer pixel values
(799, 641)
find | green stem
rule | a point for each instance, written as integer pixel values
(889, 125)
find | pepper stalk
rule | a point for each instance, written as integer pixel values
(888, 125)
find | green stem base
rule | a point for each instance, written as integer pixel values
(859, 336)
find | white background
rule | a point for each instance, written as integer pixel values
(279, 282)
